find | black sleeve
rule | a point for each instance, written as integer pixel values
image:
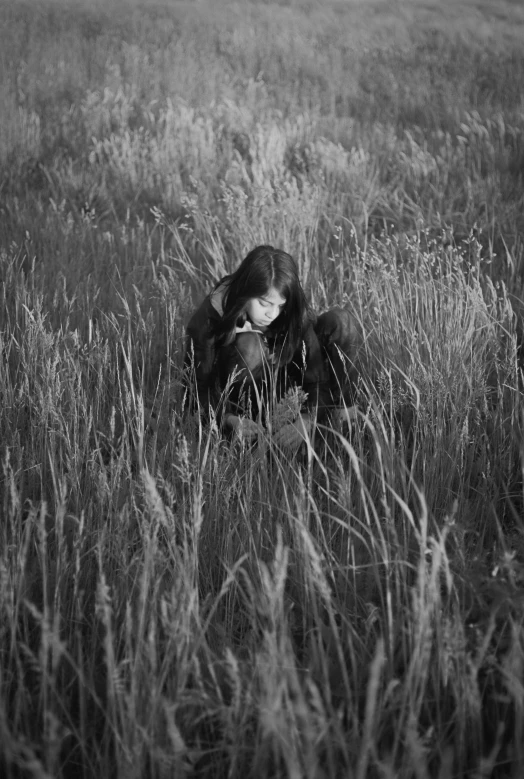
(200, 360)
(315, 380)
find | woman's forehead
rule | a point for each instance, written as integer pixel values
(273, 296)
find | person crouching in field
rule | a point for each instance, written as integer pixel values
(254, 338)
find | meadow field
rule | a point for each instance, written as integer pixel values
(176, 605)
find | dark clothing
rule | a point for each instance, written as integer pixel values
(239, 377)
(341, 341)
(201, 354)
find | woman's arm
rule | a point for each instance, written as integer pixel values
(199, 360)
(315, 380)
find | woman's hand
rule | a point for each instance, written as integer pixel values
(290, 436)
(242, 426)
(345, 415)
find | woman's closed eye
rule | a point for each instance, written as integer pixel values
(267, 304)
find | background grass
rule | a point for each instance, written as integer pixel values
(172, 604)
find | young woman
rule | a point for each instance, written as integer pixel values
(255, 336)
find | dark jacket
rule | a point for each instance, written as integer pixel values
(306, 369)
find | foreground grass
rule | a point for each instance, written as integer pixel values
(174, 604)
(171, 602)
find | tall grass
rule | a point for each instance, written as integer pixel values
(172, 603)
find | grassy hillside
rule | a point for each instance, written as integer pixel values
(172, 604)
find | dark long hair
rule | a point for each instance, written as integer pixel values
(266, 268)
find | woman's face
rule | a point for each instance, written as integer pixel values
(262, 311)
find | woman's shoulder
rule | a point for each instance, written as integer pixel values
(213, 303)
(203, 317)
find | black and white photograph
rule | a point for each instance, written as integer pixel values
(261, 389)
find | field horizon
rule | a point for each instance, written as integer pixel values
(176, 604)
